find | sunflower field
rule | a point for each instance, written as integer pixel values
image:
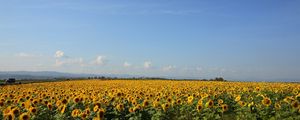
(150, 100)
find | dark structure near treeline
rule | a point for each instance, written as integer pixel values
(10, 81)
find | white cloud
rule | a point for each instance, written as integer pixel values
(23, 55)
(59, 54)
(168, 68)
(100, 60)
(147, 64)
(69, 61)
(126, 64)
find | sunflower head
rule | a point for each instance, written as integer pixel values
(220, 101)
(237, 98)
(295, 104)
(190, 99)
(83, 115)
(120, 107)
(209, 104)
(277, 106)
(64, 101)
(199, 107)
(266, 101)
(224, 107)
(131, 110)
(63, 109)
(242, 103)
(75, 113)
(1, 103)
(165, 106)
(145, 103)
(49, 105)
(101, 113)
(178, 101)
(24, 116)
(9, 116)
(169, 99)
(76, 99)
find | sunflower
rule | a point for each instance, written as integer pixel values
(134, 102)
(257, 89)
(224, 107)
(1, 104)
(288, 99)
(178, 101)
(15, 111)
(58, 103)
(277, 106)
(83, 116)
(190, 99)
(169, 99)
(157, 99)
(100, 114)
(63, 109)
(120, 107)
(242, 103)
(24, 116)
(220, 101)
(49, 105)
(35, 101)
(95, 118)
(64, 101)
(145, 103)
(9, 116)
(199, 107)
(200, 102)
(7, 110)
(155, 104)
(238, 98)
(33, 110)
(266, 101)
(96, 108)
(209, 104)
(119, 94)
(46, 102)
(295, 104)
(97, 104)
(131, 110)
(75, 113)
(165, 106)
(76, 100)
(27, 104)
(87, 111)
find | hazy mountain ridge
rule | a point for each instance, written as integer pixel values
(47, 75)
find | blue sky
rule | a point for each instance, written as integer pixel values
(240, 40)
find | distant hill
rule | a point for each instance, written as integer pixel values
(39, 75)
(51, 75)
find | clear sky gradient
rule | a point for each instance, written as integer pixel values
(234, 39)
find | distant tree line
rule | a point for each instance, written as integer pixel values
(150, 78)
(14, 81)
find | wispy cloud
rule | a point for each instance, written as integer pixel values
(147, 64)
(126, 64)
(59, 54)
(168, 68)
(22, 54)
(70, 61)
(62, 59)
(100, 60)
